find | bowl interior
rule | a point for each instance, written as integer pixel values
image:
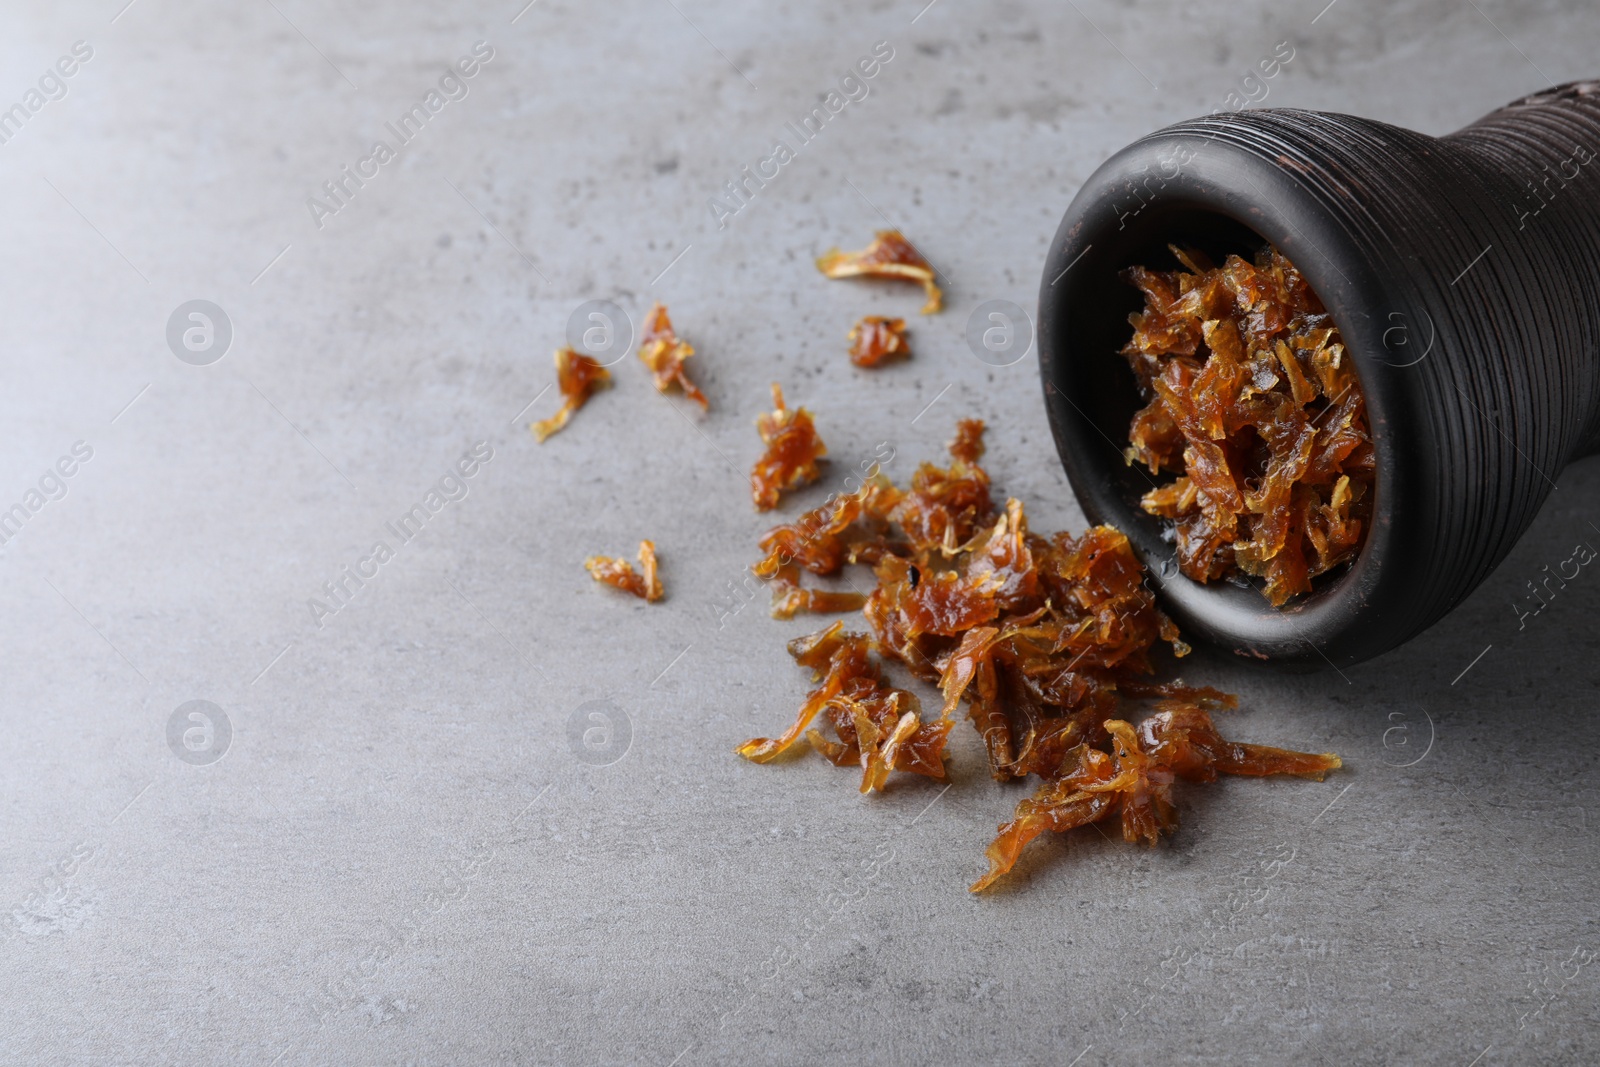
(1095, 381)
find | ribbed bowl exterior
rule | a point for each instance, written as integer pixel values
(1464, 274)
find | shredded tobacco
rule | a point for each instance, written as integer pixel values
(577, 377)
(619, 573)
(1044, 639)
(789, 598)
(662, 351)
(1253, 401)
(875, 339)
(889, 255)
(793, 449)
(1135, 778)
(875, 725)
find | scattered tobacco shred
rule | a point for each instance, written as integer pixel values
(793, 449)
(889, 255)
(875, 725)
(577, 377)
(875, 339)
(662, 351)
(1135, 777)
(1045, 639)
(1251, 399)
(619, 573)
(789, 598)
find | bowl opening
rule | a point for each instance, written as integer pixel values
(1088, 364)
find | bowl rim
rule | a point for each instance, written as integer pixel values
(1345, 619)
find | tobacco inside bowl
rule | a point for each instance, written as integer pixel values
(1251, 399)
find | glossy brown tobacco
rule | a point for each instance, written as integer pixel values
(875, 725)
(889, 255)
(789, 597)
(1046, 640)
(577, 377)
(619, 573)
(1134, 779)
(1253, 401)
(793, 449)
(662, 351)
(875, 339)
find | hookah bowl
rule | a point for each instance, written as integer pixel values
(1463, 273)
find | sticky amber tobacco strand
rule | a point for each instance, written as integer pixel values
(577, 378)
(875, 340)
(889, 255)
(663, 353)
(619, 573)
(793, 449)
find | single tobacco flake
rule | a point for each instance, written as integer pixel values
(1252, 400)
(1050, 642)
(889, 255)
(619, 573)
(662, 351)
(789, 597)
(876, 339)
(577, 377)
(793, 449)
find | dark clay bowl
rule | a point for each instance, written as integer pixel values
(1464, 275)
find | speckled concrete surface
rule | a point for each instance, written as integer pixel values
(402, 854)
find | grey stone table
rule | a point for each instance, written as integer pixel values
(409, 849)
